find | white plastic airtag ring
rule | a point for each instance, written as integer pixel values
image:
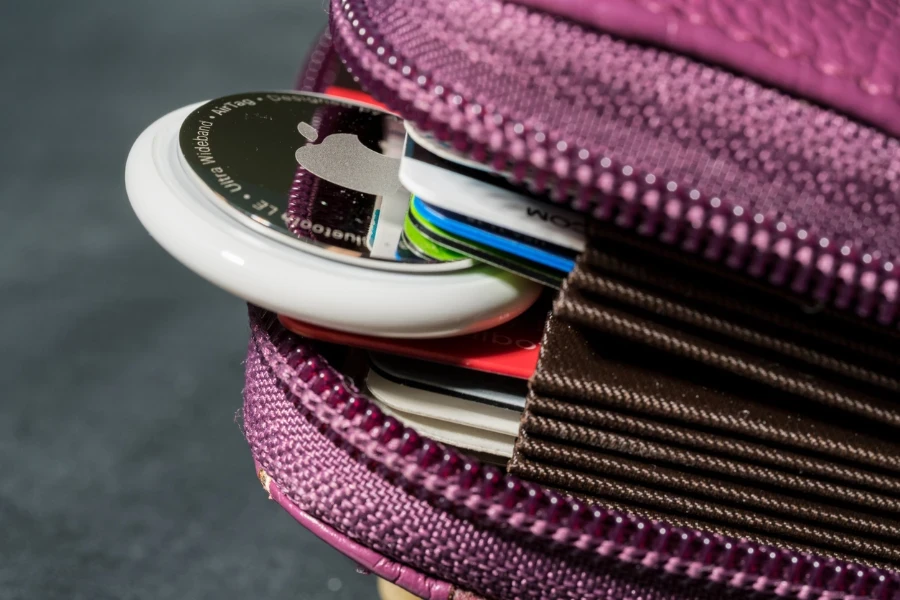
(302, 285)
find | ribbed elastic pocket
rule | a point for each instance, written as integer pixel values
(684, 393)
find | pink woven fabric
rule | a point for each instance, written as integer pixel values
(338, 460)
(348, 491)
(717, 164)
(401, 575)
(656, 111)
(841, 53)
(373, 503)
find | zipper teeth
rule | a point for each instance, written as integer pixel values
(383, 443)
(708, 226)
(846, 276)
(319, 67)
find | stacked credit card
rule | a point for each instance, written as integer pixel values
(462, 209)
(468, 391)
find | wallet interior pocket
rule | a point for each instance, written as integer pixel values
(682, 392)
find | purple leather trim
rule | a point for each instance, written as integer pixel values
(409, 579)
(843, 54)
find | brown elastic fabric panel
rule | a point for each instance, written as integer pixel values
(674, 390)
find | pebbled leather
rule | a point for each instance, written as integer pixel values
(842, 53)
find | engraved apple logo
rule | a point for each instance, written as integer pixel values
(342, 159)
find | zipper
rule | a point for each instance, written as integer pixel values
(422, 466)
(845, 275)
(320, 69)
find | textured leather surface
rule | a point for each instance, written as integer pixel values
(842, 53)
(400, 575)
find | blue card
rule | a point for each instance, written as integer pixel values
(458, 226)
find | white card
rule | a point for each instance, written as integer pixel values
(485, 198)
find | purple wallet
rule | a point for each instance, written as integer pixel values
(755, 141)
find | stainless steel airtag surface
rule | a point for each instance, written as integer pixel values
(312, 171)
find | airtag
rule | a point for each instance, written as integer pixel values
(310, 171)
(201, 193)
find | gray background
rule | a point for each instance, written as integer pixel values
(122, 472)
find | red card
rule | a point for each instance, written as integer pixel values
(511, 349)
(355, 95)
